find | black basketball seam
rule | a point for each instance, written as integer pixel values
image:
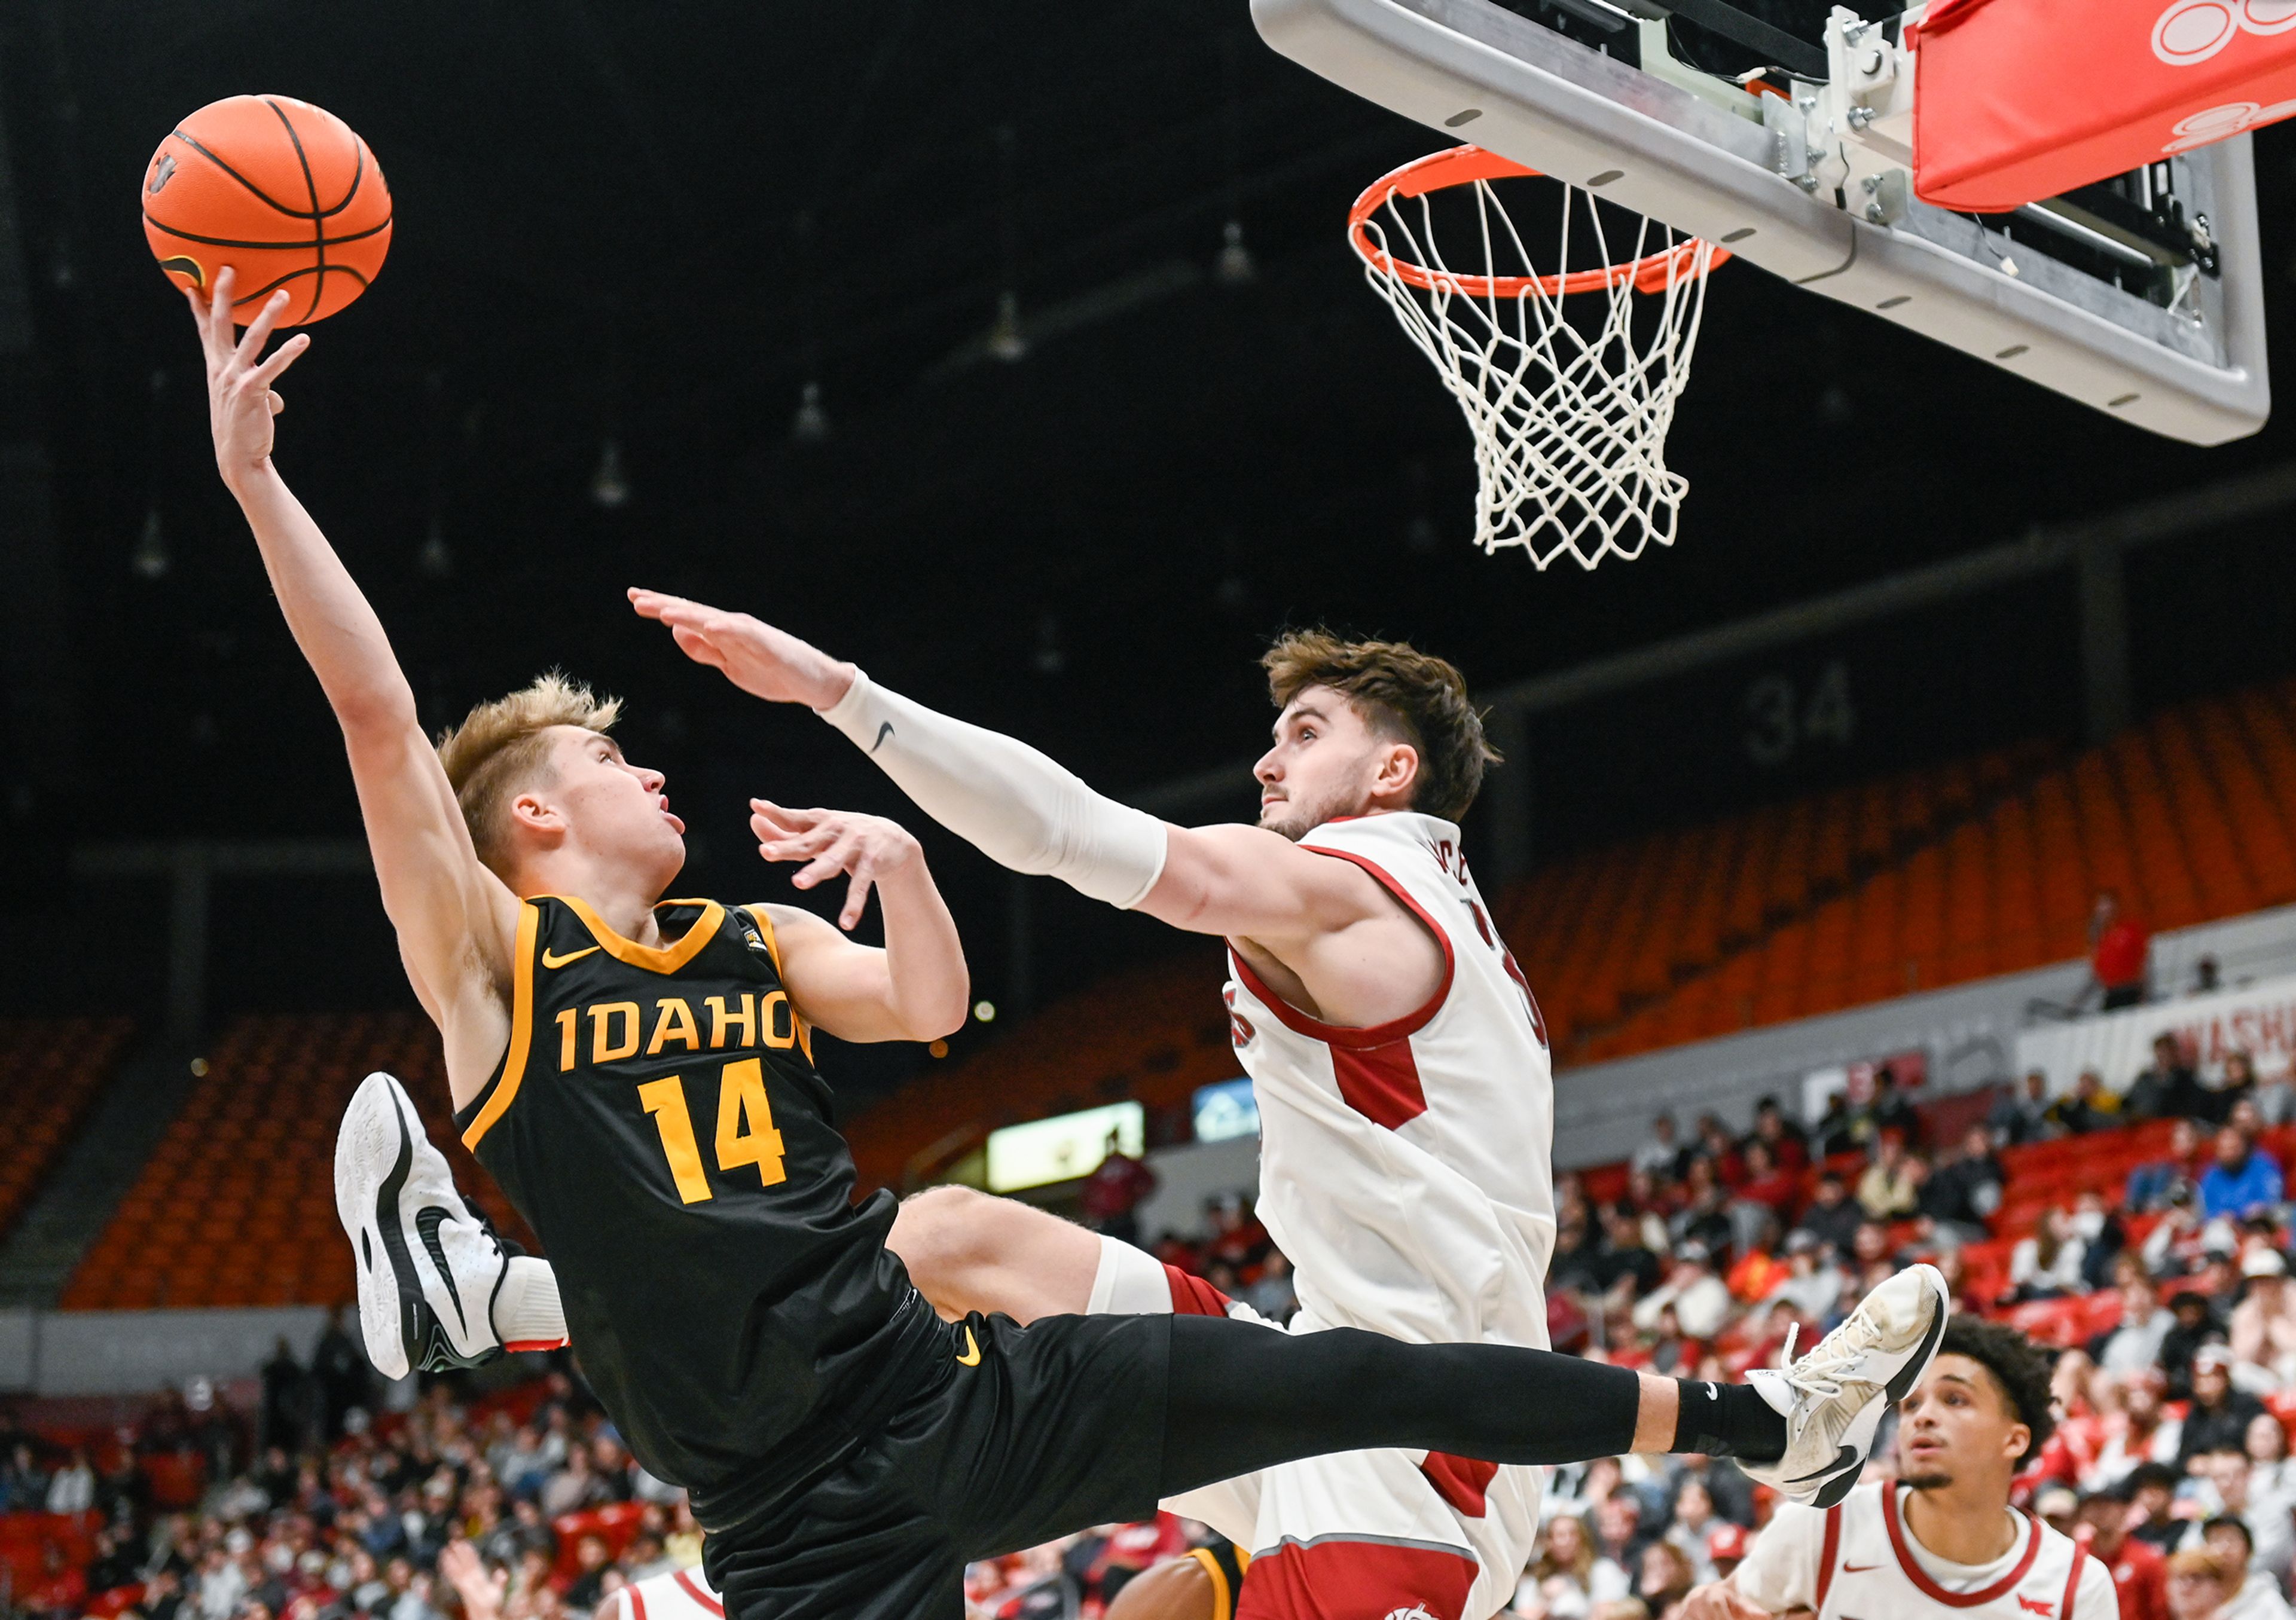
(358, 172)
(292, 275)
(318, 224)
(267, 200)
(225, 241)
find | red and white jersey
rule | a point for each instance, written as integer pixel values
(681, 1594)
(1858, 1561)
(1404, 1168)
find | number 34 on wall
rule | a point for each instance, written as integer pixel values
(1781, 720)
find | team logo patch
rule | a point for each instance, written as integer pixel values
(1417, 1611)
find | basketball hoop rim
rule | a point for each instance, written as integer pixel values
(1466, 165)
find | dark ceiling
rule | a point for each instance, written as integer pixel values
(657, 224)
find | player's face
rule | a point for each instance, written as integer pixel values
(610, 807)
(1957, 1424)
(1326, 762)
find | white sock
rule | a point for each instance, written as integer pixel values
(527, 1315)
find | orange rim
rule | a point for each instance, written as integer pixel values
(1465, 166)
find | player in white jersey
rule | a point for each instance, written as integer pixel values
(1941, 1540)
(1404, 1095)
(675, 1595)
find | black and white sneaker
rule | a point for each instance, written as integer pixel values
(1834, 1398)
(437, 1288)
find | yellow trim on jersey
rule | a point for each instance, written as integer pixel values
(521, 1024)
(654, 959)
(1222, 1599)
(774, 949)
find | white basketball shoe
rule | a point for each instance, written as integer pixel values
(1833, 1399)
(437, 1288)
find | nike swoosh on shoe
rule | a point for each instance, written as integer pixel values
(1846, 1458)
(1908, 1376)
(427, 1220)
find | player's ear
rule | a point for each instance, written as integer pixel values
(531, 815)
(1398, 771)
(2016, 1443)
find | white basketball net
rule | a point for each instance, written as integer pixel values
(1569, 416)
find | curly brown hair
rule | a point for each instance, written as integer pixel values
(1411, 696)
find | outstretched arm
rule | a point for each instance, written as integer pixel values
(916, 988)
(1024, 811)
(454, 917)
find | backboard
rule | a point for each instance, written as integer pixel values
(2142, 297)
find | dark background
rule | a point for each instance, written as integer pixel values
(658, 223)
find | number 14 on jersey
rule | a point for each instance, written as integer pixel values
(745, 1129)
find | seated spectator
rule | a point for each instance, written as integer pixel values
(1272, 1293)
(1788, 1143)
(1761, 1267)
(1568, 1577)
(1691, 1528)
(2140, 1431)
(2255, 1588)
(2152, 1184)
(1719, 1149)
(2047, 1265)
(2237, 1086)
(1832, 1217)
(2023, 1113)
(1700, 1300)
(2120, 953)
(1704, 1217)
(2219, 1414)
(2244, 1181)
(1836, 1128)
(2264, 1322)
(2135, 1346)
(1769, 1184)
(2140, 1573)
(2275, 1098)
(1667, 1575)
(1965, 1189)
(1627, 1268)
(1888, 1190)
(2271, 1511)
(1812, 1283)
(1891, 1111)
(2094, 1224)
(1661, 1152)
(2168, 1089)
(2152, 1504)
(2087, 1107)
(2199, 1585)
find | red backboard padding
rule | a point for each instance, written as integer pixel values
(2018, 99)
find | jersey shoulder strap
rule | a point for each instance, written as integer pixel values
(2073, 1581)
(1830, 1552)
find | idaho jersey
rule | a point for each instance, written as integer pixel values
(657, 1121)
(1403, 1168)
(1858, 1561)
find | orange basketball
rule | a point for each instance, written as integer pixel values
(282, 192)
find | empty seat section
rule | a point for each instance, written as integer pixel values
(55, 1069)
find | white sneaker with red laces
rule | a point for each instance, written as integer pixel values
(437, 1288)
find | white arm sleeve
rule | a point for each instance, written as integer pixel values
(1009, 801)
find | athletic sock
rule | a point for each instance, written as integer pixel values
(1728, 1421)
(527, 1315)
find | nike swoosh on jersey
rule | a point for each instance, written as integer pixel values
(550, 958)
(972, 1357)
(1858, 1568)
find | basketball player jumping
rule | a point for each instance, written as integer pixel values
(634, 1073)
(1941, 1542)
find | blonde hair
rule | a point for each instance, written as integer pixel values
(500, 747)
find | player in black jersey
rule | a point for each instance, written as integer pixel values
(636, 1073)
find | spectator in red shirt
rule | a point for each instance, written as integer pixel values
(2119, 948)
(1788, 1143)
(2140, 1574)
(1769, 1183)
(1114, 1190)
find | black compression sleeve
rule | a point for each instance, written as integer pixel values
(1243, 1398)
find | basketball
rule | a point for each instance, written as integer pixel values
(283, 192)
